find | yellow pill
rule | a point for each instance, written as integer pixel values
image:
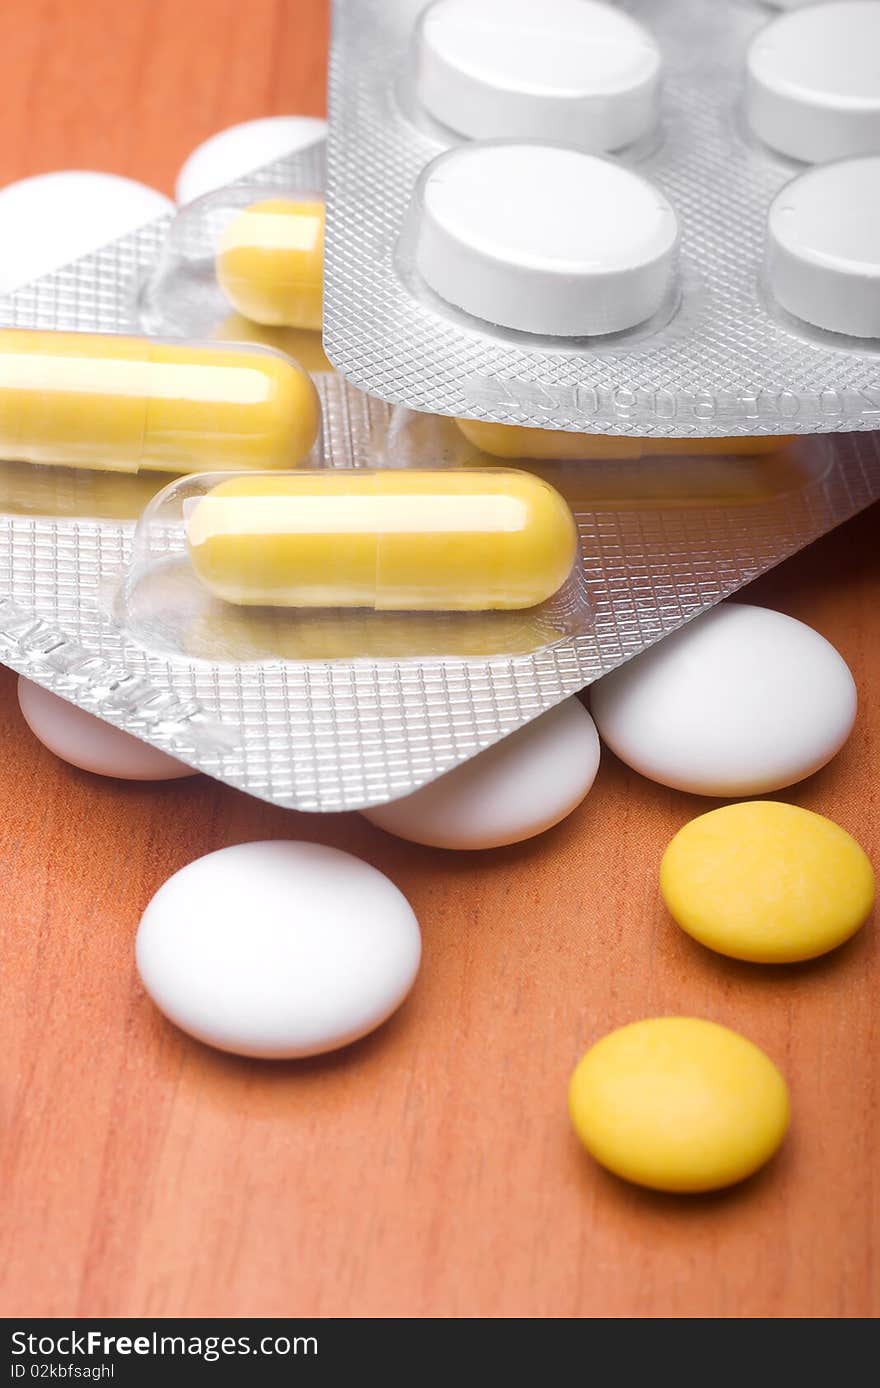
(767, 882)
(270, 263)
(127, 404)
(678, 1104)
(451, 541)
(516, 441)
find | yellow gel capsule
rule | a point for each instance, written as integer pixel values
(270, 263)
(513, 441)
(392, 541)
(131, 404)
(767, 882)
(678, 1104)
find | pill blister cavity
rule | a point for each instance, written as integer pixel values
(823, 247)
(346, 550)
(243, 264)
(545, 240)
(270, 262)
(570, 71)
(813, 81)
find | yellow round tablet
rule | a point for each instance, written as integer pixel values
(767, 882)
(678, 1104)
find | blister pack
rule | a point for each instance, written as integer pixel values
(656, 218)
(247, 618)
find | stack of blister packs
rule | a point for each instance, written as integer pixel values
(643, 375)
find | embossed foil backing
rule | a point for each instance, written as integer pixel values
(724, 364)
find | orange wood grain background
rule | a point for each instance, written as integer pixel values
(429, 1170)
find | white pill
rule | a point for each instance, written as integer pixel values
(53, 218)
(813, 81)
(232, 153)
(823, 247)
(278, 949)
(91, 744)
(512, 791)
(545, 240)
(741, 701)
(572, 71)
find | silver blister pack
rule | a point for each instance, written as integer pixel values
(315, 726)
(722, 362)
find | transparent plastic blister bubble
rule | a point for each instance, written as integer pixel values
(339, 708)
(520, 233)
(355, 564)
(220, 272)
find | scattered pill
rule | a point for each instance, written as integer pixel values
(391, 541)
(125, 404)
(678, 1104)
(518, 441)
(767, 882)
(545, 239)
(241, 149)
(513, 791)
(50, 219)
(89, 743)
(813, 81)
(278, 949)
(571, 71)
(270, 262)
(823, 247)
(741, 701)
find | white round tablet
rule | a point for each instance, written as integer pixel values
(513, 791)
(278, 949)
(573, 71)
(545, 240)
(232, 153)
(823, 247)
(741, 701)
(91, 744)
(813, 81)
(53, 218)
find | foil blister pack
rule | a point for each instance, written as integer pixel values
(339, 710)
(507, 243)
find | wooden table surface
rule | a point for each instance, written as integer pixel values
(430, 1170)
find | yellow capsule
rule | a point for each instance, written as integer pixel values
(678, 1104)
(514, 441)
(127, 404)
(451, 541)
(270, 263)
(767, 882)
